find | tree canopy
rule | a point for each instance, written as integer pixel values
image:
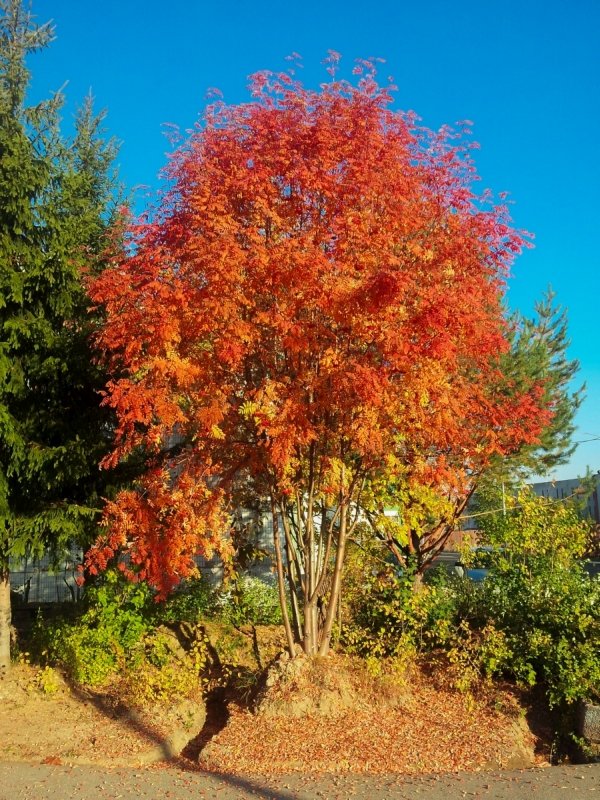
(425, 518)
(315, 306)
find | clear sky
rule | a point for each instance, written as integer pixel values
(527, 72)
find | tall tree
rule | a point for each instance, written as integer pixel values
(539, 350)
(54, 216)
(317, 302)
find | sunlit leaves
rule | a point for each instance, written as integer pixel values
(320, 290)
(529, 525)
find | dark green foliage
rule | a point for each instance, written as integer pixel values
(246, 600)
(56, 221)
(193, 601)
(539, 596)
(548, 614)
(250, 601)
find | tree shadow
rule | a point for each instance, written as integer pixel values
(187, 761)
(542, 722)
(217, 716)
(112, 708)
(254, 787)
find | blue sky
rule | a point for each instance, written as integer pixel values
(527, 73)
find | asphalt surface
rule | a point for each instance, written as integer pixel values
(19, 781)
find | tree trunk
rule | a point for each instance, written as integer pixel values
(281, 583)
(5, 619)
(418, 582)
(311, 627)
(336, 583)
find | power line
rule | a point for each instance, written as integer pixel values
(519, 505)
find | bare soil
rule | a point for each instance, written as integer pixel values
(69, 725)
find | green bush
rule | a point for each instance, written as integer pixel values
(537, 597)
(120, 638)
(390, 618)
(117, 615)
(124, 635)
(250, 601)
(192, 602)
(89, 656)
(123, 609)
(550, 615)
(163, 672)
(535, 619)
(243, 601)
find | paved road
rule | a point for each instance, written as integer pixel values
(40, 782)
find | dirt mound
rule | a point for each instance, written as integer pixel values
(312, 715)
(327, 687)
(328, 715)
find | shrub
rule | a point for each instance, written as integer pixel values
(391, 619)
(193, 601)
(535, 619)
(123, 635)
(101, 641)
(117, 639)
(537, 596)
(89, 656)
(550, 615)
(250, 600)
(161, 673)
(475, 653)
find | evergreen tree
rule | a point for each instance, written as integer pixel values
(56, 212)
(539, 352)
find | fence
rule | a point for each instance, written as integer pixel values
(53, 580)
(46, 580)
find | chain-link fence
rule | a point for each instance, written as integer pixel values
(49, 579)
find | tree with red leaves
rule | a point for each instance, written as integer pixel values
(314, 310)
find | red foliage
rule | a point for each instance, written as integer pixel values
(319, 275)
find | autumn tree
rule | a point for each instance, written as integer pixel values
(315, 307)
(55, 214)
(423, 517)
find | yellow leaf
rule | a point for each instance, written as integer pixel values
(216, 432)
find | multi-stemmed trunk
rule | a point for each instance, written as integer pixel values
(310, 564)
